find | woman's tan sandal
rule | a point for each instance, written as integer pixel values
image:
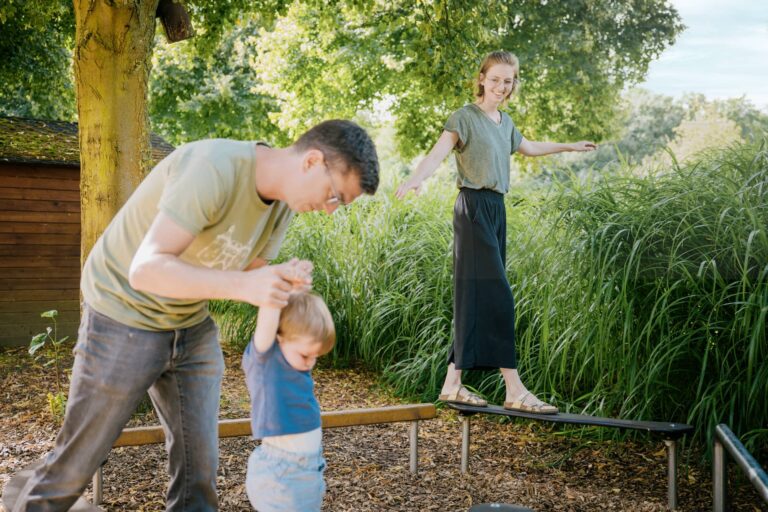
(529, 403)
(463, 396)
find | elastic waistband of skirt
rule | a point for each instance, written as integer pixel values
(482, 192)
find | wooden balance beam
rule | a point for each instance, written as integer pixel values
(412, 413)
(670, 432)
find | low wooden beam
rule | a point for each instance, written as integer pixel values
(331, 419)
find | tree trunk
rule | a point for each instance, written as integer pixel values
(113, 46)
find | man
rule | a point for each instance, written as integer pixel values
(203, 225)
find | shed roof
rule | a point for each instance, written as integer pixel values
(36, 141)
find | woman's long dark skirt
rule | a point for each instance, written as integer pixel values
(483, 306)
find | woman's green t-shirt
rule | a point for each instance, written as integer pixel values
(484, 148)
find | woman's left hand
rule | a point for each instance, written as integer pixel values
(583, 145)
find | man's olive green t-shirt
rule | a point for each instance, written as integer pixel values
(484, 148)
(209, 189)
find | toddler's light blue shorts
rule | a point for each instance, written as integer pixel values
(283, 481)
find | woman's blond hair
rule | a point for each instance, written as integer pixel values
(493, 58)
(307, 315)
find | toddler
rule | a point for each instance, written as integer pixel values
(285, 473)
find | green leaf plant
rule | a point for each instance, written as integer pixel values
(49, 339)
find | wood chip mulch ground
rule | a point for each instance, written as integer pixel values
(522, 463)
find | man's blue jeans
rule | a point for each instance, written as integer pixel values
(115, 365)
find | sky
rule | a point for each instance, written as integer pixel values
(722, 53)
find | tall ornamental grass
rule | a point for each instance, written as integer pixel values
(656, 305)
(638, 297)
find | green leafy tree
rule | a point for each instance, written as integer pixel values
(36, 39)
(316, 61)
(650, 123)
(647, 124)
(752, 122)
(217, 85)
(705, 130)
(575, 59)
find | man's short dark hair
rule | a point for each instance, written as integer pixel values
(345, 141)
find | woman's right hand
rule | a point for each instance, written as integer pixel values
(427, 167)
(411, 184)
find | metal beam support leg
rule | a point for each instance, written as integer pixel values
(671, 474)
(464, 444)
(719, 478)
(98, 487)
(414, 435)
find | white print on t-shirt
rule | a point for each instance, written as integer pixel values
(224, 253)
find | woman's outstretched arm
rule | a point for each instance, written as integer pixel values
(534, 148)
(427, 167)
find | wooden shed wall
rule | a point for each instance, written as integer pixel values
(39, 250)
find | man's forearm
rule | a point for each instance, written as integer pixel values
(168, 276)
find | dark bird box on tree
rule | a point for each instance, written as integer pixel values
(175, 20)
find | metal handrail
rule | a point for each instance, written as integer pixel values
(725, 440)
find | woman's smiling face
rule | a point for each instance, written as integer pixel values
(498, 82)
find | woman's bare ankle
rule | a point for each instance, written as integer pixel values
(515, 393)
(449, 389)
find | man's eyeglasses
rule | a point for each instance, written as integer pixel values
(335, 198)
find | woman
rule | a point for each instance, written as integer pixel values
(484, 310)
